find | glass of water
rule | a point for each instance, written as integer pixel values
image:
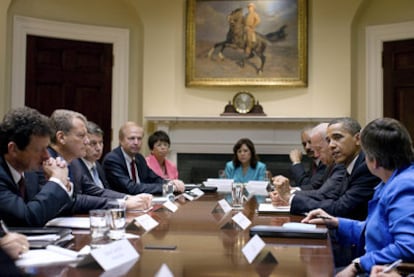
(99, 227)
(237, 194)
(117, 221)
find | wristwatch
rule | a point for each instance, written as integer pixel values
(243, 102)
(357, 265)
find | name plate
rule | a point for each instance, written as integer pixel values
(164, 272)
(112, 255)
(193, 194)
(253, 248)
(170, 206)
(225, 206)
(146, 222)
(241, 220)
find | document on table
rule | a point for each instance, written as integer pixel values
(270, 208)
(70, 222)
(257, 187)
(223, 185)
(51, 255)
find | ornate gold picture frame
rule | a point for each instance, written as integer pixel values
(226, 47)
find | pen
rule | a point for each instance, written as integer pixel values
(392, 266)
(4, 227)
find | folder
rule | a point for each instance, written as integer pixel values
(40, 237)
(291, 232)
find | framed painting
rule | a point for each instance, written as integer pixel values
(246, 43)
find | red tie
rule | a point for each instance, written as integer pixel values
(22, 188)
(134, 176)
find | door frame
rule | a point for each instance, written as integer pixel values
(22, 26)
(375, 37)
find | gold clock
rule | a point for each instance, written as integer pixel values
(243, 102)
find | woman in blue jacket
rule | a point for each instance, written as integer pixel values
(245, 165)
(387, 233)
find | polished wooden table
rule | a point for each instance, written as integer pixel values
(207, 247)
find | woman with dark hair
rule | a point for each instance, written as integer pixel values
(159, 144)
(387, 233)
(245, 165)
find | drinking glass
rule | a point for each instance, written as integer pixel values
(99, 227)
(237, 195)
(117, 221)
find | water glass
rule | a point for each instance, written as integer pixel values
(117, 221)
(168, 190)
(99, 227)
(237, 193)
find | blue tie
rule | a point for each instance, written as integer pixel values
(96, 178)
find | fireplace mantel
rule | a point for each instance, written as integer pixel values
(234, 119)
(218, 134)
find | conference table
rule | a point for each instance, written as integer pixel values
(208, 243)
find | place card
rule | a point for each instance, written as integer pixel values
(170, 206)
(198, 192)
(146, 222)
(253, 248)
(112, 255)
(225, 206)
(193, 194)
(164, 271)
(241, 220)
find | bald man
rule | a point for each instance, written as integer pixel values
(126, 169)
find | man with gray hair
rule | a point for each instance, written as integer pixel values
(70, 141)
(347, 197)
(314, 177)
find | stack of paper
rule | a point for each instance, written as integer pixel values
(223, 185)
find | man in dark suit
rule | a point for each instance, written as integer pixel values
(69, 141)
(348, 198)
(126, 169)
(24, 137)
(89, 164)
(306, 179)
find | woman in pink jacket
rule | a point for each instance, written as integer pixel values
(159, 144)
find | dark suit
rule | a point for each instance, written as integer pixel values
(116, 172)
(312, 179)
(88, 195)
(43, 204)
(99, 169)
(346, 196)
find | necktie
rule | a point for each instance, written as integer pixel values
(134, 175)
(96, 178)
(22, 188)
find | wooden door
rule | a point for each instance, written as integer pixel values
(398, 68)
(74, 75)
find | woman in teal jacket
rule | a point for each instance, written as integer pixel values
(245, 165)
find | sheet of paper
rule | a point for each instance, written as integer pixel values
(257, 187)
(269, 208)
(50, 237)
(48, 256)
(253, 248)
(223, 185)
(70, 222)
